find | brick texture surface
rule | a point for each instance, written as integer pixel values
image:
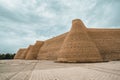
(80, 44)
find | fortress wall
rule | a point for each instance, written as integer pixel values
(19, 53)
(32, 54)
(107, 41)
(28, 53)
(25, 53)
(51, 47)
(78, 46)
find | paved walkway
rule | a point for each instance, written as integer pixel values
(48, 70)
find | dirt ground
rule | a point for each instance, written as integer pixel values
(49, 70)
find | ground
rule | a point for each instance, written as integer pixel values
(49, 70)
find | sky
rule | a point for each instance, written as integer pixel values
(22, 22)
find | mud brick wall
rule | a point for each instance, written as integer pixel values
(51, 47)
(33, 52)
(20, 53)
(78, 46)
(23, 55)
(107, 41)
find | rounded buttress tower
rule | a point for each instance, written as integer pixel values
(78, 46)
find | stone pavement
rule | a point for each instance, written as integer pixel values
(49, 70)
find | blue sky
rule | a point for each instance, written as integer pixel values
(22, 22)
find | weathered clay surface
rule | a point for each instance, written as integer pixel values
(32, 54)
(80, 44)
(51, 47)
(107, 41)
(20, 53)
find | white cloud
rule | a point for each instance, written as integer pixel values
(22, 22)
(10, 4)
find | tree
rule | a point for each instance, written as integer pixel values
(7, 56)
